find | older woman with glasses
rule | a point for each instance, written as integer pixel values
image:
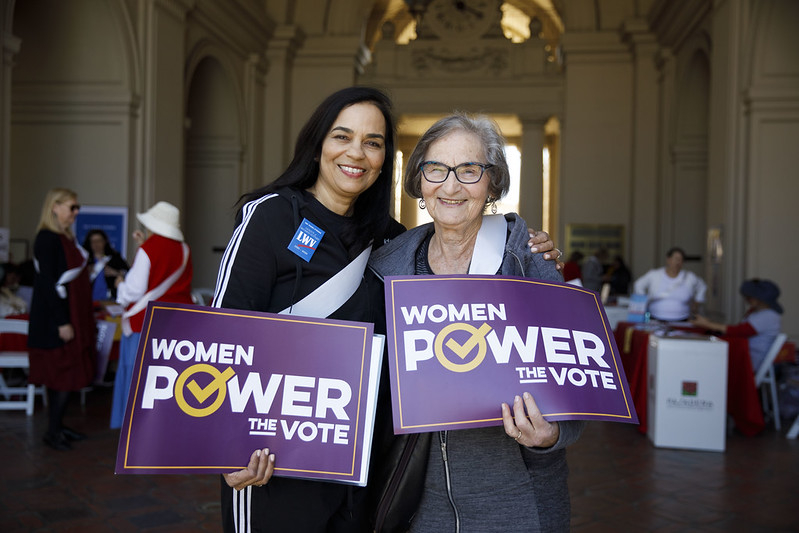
(511, 478)
(61, 333)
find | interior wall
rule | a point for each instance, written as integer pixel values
(70, 123)
(772, 187)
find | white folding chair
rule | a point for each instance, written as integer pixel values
(16, 359)
(765, 376)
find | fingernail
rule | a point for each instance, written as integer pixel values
(526, 395)
(517, 399)
(272, 458)
(534, 249)
(258, 453)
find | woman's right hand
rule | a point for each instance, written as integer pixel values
(66, 333)
(258, 471)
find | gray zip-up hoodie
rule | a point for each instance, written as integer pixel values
(481, 480)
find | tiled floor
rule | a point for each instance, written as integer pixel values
(619, 482)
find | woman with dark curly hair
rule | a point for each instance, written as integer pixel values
(105, 263)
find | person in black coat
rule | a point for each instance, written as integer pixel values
(61, 331)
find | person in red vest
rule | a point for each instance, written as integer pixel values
(162, 272)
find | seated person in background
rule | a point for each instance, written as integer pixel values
(26, 272)
(105, 263)
(674, 294)
(761, 323)
(571, 268)
(594, 269)
(619, 277)
(10, 303)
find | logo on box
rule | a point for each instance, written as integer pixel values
(689, 388)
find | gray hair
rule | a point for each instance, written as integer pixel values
(493, 145)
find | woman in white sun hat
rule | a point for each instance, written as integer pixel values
(162, 272)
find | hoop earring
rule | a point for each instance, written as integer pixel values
(422, 205)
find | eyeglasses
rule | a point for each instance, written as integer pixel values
(467, 173)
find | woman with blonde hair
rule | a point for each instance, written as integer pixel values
(61, 334)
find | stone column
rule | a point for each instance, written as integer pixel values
(278, 141)
(323, 65)
(643, 219)
(531, 194)
(11, 46)
(255, 102)
(163, 31)
(666, 65)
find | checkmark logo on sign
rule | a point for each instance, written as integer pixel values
(201, 394)
(217, 384)
(463, 350)
(476, 339)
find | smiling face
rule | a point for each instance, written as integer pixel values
(454, 205)
(352, 156)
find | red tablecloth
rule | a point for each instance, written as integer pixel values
(14, 342)
(743, 403)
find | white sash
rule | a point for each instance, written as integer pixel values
(333, 293)
(69, 275)
(155, 293)
(98, 267)
(489, 247)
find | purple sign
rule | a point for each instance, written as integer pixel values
(212, 385)
(459, 346)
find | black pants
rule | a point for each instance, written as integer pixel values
(295, 505)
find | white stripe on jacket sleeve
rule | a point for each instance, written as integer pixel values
(229, 257)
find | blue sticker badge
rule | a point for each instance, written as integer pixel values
(306, 240)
